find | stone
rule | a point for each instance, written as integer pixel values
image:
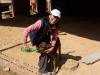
(71, 65)
(6, 69)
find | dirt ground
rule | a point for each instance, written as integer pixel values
(7, 72)
(82, 39)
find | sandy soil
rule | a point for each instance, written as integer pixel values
(82, 39)
(7, 72)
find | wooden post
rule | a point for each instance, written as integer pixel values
(0, 12)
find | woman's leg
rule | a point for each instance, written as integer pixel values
(43, 63)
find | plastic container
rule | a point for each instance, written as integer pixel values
(30, 50)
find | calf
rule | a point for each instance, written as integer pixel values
(44, 46)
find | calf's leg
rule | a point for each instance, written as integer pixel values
(60, 53)
(55, 64)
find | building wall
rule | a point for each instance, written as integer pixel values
(5, 6)
(41, 6)
(79, 7)
(21, 7)
(67, 7)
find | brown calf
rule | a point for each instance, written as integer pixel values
(44, 46)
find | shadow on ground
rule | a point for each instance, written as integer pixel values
(12, 47)
(83, 26)
(65, 57)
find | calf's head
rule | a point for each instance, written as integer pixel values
(43, 47)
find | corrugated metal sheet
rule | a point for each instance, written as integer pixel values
(5, 1)
(91, 58)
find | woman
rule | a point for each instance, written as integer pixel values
(39, 32)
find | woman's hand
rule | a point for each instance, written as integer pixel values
(27, 47)
(47, 51)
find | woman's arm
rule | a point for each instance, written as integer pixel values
(34, 27)
(54, 39)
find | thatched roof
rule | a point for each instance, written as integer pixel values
(5, 1)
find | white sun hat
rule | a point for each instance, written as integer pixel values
(56, 12)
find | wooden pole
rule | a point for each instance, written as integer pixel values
(0, 11)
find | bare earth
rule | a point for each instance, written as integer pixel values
(82, 39)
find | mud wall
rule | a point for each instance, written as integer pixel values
(53, 4)
(21, 7)
(81, 7)
(68, 7)
(41, 6)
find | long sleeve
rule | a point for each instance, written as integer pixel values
(54, 39)
(34, 27)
